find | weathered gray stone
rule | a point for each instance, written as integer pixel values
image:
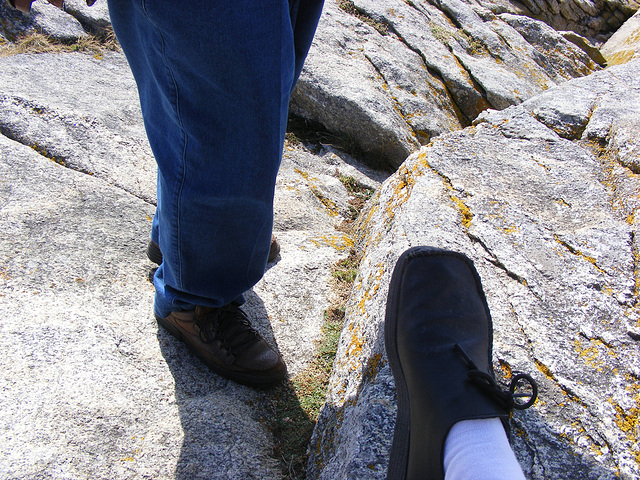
(13, 23)
(91, 387)
(624, 45)
(547, 42)
(87, 119)
(551, 227)
(594, 109)
(590, 18)
(585, 45)
(95, 17)
(438, 67)
(541, 216)
(44, 18)
(341, 89)
(55, 23)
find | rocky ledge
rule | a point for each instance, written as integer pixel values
(543, 197)
(91, 387)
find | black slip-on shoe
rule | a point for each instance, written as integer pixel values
(155, 255)
(226, 342)
(438, 336)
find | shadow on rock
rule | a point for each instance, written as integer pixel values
(282, 411)
(230, 430)
(291, 427)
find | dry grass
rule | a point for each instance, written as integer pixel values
(39, 43)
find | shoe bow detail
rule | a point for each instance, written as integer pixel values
(507, 399)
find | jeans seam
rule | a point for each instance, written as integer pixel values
(176, 105)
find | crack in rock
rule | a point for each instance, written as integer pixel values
(79, 144)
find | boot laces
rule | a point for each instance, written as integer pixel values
(230, 326)
(521, 393)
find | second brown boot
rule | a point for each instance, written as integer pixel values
(226, 342)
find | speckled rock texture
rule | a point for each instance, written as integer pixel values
(394, 74)
(624, 45)
(66, 25)
(390, 75)
(591, 18)
(91, 389)
(543, 197)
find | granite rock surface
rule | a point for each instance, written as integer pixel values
(91, 387)
(542, 195)
(543, 198)
(388, 76)
(591, 18)
(392, 75)
(624, 45)
(66, 26)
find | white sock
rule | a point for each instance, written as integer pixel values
(480, 450)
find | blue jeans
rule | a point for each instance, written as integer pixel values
(214, 79)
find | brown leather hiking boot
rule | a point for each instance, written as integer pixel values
(225, 342)
(155, 255)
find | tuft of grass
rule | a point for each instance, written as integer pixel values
(96, 44)
(291, 138)
(440, 32)
(472, 45)
(349, 7)
(345, 270)
(359, 195)
(355, 188)
(34, 43)
(292, 427)
(312, 383)
(296, 404)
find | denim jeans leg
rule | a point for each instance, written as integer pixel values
(214, 79)
(304, 19)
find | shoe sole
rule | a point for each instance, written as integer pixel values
(399, 455)
(244, 379)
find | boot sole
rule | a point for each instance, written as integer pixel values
(153, 253)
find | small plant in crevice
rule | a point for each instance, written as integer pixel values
(440, 33)
(359, 194)
(349, 7)
(290, 138)
(296, 404)
(292, 427)
(345, 270)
